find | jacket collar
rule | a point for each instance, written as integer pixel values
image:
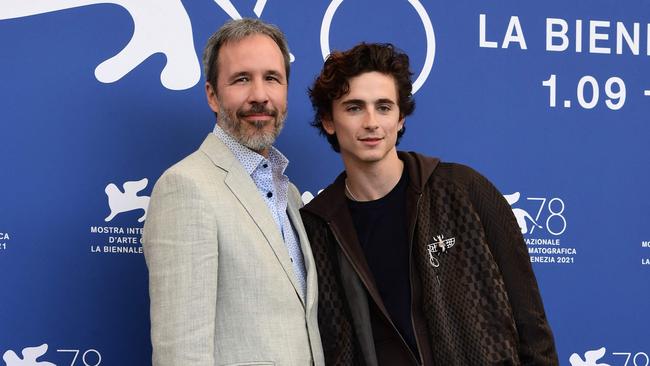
(419, 167)
(331, 206)
(330, 203)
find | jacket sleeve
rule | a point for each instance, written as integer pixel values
(334, 318)
(536, 344)
(180, 241)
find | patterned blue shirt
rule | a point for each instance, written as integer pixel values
(273, 185)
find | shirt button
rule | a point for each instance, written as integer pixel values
(269, 194)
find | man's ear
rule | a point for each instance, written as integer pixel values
(328, 125)
(211, 95)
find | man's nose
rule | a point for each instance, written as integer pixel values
(258, 92)
(370, 122)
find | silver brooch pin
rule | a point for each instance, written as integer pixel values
(439, 246)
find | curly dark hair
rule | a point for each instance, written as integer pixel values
(340, 67)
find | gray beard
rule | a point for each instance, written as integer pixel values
(257, 141)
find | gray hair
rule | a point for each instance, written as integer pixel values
(233, 31)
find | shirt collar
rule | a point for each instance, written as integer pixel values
(248, 158)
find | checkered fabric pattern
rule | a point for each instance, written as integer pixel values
(336, 329)
(466, 292)
(481, 304)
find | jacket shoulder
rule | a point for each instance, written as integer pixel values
(312, 212)
(196, 167)
(329, 199)
(293, 194)
(189, 164)
(458, 174)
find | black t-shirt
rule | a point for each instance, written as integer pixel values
(382, 231)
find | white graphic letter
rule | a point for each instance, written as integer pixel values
(232, 12)
(483, 43)
(428, 30)
(594, 36)
(561, 34)
(514, 34)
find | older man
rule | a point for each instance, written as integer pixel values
(231, 274)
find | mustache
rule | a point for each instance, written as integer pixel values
(257, 109)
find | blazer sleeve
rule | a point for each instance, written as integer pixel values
(294, 196)
(181, 252)
(536, 344)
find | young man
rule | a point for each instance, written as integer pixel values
(419, 262)
(231, 274)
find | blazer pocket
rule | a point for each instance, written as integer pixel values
(252, 363)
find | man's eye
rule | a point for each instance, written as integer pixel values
(273, 78)
(241, 79)
(384, 108)
(353, 108)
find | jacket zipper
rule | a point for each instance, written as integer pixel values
(336, 237)
(415, 332)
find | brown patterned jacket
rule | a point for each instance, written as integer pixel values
(475, 303)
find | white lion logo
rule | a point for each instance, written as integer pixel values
(30, 354)
(129, 200)
(520, 214)
(590, 358)
(161, 26)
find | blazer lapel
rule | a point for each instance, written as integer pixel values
(244, 189)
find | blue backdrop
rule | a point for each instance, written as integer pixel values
(550, 100)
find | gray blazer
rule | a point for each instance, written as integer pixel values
(222, 287)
